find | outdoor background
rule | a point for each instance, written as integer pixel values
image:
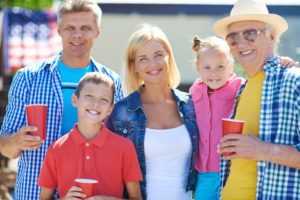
(180, 22)
(179, 19)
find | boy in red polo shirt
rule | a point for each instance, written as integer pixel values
(90, 150)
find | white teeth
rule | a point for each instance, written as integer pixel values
(246, 52)
(93, 112)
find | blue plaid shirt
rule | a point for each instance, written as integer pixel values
(279, 124)
(39, 84)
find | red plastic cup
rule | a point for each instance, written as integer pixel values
(87, 185)
(232, 126)
(37, 116)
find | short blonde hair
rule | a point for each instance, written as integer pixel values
(137, 40)
(211, 43)
(69, 6)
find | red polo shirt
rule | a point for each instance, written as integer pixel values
(109, 158)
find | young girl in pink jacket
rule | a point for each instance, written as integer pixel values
(213, 98)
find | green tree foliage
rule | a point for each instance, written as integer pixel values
(29, 4)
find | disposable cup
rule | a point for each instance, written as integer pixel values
(87, 185)
(232, 126)
(37, 116)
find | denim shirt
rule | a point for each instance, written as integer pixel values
(129, 120)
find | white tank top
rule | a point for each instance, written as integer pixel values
(167, 153)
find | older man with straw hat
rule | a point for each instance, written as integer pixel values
(266, 160)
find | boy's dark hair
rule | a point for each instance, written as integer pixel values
(96, 78)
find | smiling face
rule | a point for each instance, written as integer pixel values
(151, 63)
(78, 31)
(214, 68)
(251, 54)
(94, 103)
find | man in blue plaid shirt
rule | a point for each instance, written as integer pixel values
(52, 83)
(265, 164)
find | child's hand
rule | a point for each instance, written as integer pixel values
(288, 62)
(101, 197)
(74, 193)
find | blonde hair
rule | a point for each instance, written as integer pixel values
(137, 40)
(69, 6)
(211, 43)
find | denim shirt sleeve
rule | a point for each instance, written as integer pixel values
(188, 116)
(109, 123)
(114, 117)
(121, 121)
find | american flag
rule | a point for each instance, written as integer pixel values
(28, 36)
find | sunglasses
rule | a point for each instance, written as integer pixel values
(249, 35)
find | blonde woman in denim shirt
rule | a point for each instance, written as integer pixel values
(158, 118)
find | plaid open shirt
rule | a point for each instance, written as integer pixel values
(39, 84)
(279, 124)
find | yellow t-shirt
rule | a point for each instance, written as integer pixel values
(241, 182)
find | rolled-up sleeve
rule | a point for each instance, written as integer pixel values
(14, 117)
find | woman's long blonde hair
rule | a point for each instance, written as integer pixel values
(137, 40)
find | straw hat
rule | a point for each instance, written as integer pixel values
(253, 10)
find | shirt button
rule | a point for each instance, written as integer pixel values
(87, 144)
(87, 157)
(125, 131)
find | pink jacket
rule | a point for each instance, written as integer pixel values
(210, 109)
